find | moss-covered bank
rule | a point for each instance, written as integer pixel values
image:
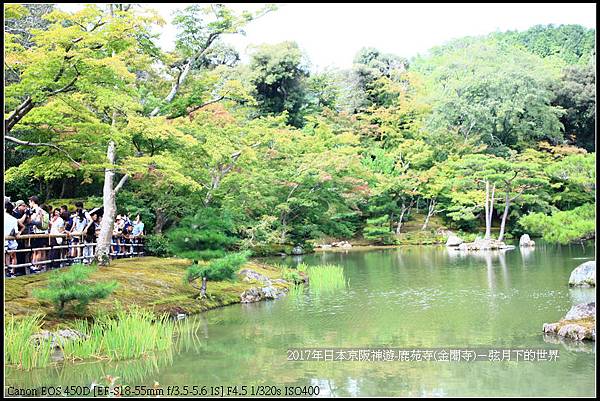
(154, 283)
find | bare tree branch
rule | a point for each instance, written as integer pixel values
(121, 183)
(65, 88)
(28, 104)
(50, 145)
(18, 114)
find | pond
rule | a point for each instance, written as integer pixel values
(411, 298)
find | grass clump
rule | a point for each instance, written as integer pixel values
(20, 349)
(293, 274)
(326, 277)
(296, 291)
(69, 285)
(129, 334)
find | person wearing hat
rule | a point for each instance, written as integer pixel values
(19, 213)
(19, 209)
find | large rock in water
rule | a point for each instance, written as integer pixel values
(258, 294)
(297, 250)
(484, 245)
(581, 311)
(526, 241)
(454, 240)
(578, 324)
(251, 275)
(250, 295)
(56, 338)
(584, 275)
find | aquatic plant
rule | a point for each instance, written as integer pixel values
(291, 275)
(20, 350)
(296, 291)
(130, 334)
(326, 277)
(186, 334)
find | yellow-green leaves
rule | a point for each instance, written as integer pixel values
(16, 11)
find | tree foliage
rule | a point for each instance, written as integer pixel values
(224, 155)
(563, 227)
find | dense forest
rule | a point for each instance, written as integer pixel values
(497, 128)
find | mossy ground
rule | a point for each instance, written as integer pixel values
(588, 323)
(154, 283)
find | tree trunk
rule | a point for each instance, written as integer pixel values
(492, 208)
(399, 226)
(63, 188)
(110, 208)
(175, 87)
(18, 114)
(504, 217)
(405, 209)
(430, 212)
(203, 288)
(489, 209)
(161, 220)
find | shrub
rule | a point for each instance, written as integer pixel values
(64, 287)
(563, 226)
(157, 245)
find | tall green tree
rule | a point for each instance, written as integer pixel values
(575, 93)
(496, 95)
(279, 74)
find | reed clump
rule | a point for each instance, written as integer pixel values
(20, 349)
(129, 334)
(326, 277)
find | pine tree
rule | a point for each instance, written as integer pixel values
(206, 235)
(378, 230)
(69, 285)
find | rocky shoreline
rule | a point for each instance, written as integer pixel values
(580, 322)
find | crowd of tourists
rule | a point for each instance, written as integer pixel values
(72, 235)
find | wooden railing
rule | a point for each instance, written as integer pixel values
(126, 247)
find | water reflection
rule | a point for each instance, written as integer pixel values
(505, 274)
(420, 297)
(571, 345)
(526, 254)
(144, 370)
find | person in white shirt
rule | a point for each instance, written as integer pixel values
(79, 224)
(57, 226)
(38, 214)
(11, 228)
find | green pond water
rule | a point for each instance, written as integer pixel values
(410, 298)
